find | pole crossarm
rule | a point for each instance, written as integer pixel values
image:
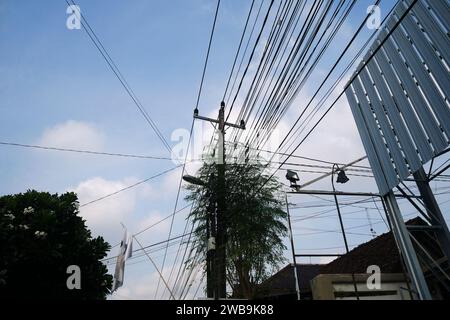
(228, 124)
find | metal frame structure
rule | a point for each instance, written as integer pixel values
(413, 254)
(399, 98)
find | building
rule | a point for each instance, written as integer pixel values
(281, 286)
(337, 279)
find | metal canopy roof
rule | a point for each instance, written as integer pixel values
(400, 98)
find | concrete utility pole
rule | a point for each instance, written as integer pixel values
(217, 267)
(221, 217)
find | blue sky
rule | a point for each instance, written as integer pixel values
(58, 91)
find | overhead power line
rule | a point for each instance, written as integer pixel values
(190, 135)
(196, 108)
(251, 57)
(207, 54)
(239, 49)
(125, 155)
(178, 254)
(343, 91)
(129, 187)
(299, 157)
(156, 223)
(162, 220)
(150, 246)
(292, 70)
(176, 200)
(245, 52)
(135, 258)
(114, 68)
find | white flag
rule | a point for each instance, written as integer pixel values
(126, 248)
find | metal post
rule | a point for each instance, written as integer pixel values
(291, 236)
(435, 214)
(342, 228)
(404, 242)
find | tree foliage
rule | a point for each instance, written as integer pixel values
(255, 222)
(41, 235)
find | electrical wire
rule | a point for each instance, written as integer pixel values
(148, 246)
(128, 187)
(190, 135)
(343, 91)
(83, 151)
(176, 202)
(238, 50)
(207, 54)
(113, 66)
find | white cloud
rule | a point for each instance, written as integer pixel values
(73, 134)
(337, 138)
(169, 185)
(152, 218)
(104, 217)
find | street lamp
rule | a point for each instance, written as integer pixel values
(194, 180)
(342, 178)
(292, 176)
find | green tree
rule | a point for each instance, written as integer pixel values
(255, 222)
(41, 235)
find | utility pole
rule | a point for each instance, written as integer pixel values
(217, 270)
(221, 217)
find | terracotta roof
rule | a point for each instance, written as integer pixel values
(283, 281)
(381, 251)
